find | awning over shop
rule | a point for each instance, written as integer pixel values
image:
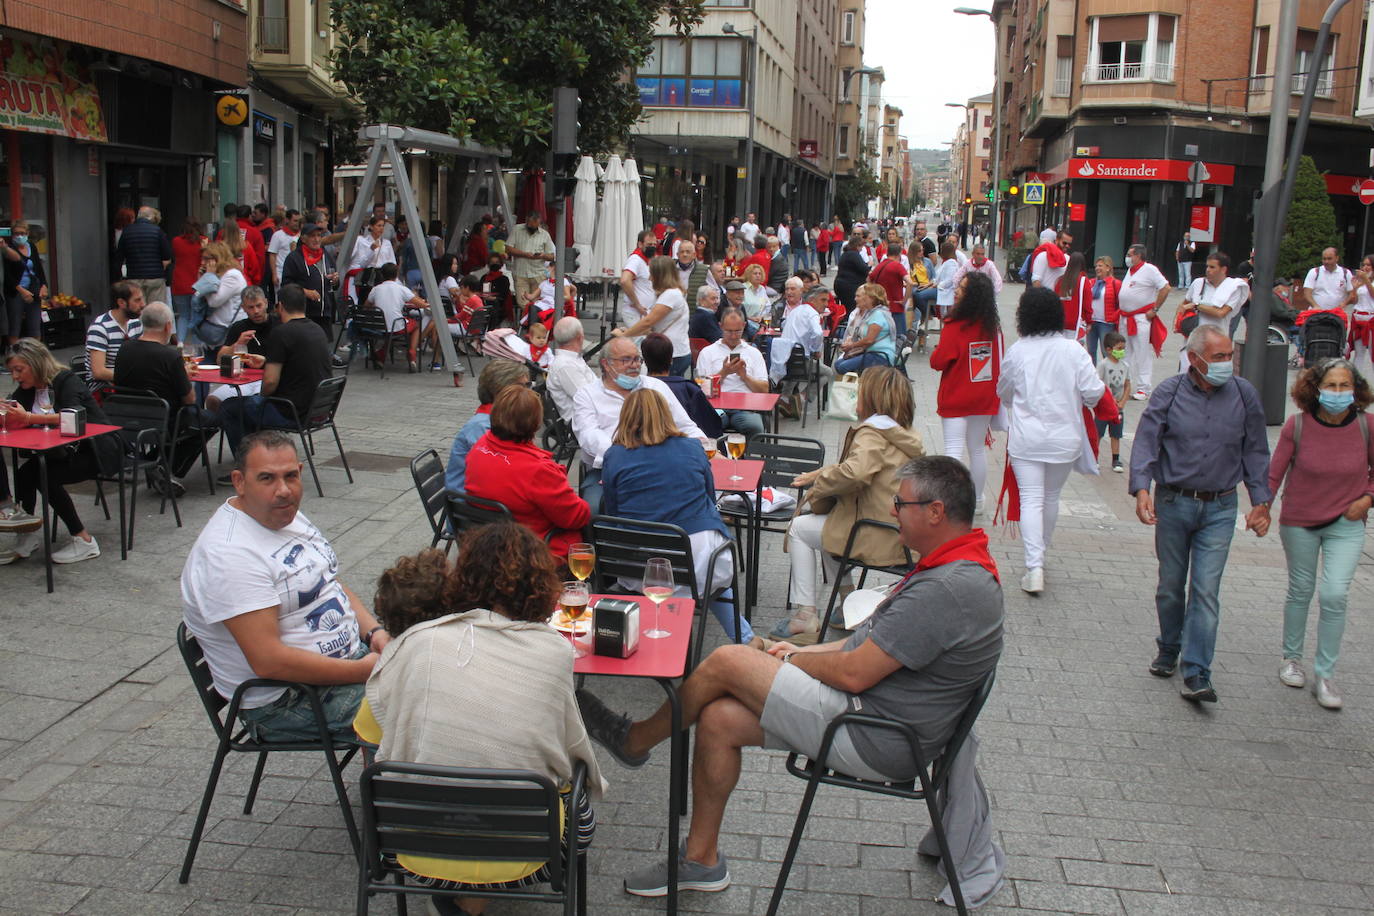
(46, 88)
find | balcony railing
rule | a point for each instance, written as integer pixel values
(274, 34)
(1107, 73)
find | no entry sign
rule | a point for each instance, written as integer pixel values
(1367, 191)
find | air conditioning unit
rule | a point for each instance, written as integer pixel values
(1118, 120)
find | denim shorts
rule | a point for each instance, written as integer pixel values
(290, 716)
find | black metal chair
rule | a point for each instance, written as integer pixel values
(783, 457)
(803, 369)
(437, 812)
(848, 561)
(371, 329)
(471, 339)
(557, 436)
(323, 406)
(145, 421)
(465, 512)
(234, 738)
(932, 781)
(427, 470)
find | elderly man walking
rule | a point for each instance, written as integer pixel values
(1200, 435)
(145, 253)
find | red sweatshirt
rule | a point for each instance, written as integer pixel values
(971, 362)
(891, 276)
(527, 481)
(1334, 468)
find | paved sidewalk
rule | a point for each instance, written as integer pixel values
(1110, 794)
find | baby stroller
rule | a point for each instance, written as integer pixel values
(1323, 336)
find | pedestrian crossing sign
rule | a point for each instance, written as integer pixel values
(1033, 192)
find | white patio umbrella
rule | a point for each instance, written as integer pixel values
(609, 249)
(584, 202)
(634, 207)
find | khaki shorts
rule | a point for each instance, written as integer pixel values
(796, 714)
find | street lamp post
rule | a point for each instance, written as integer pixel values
(753, 36)
(966, 168)
(996, 129)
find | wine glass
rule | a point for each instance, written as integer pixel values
(4, 409)
(735, 443)
(709, 446)
(581, 560)
(573, 603)
(658, 587)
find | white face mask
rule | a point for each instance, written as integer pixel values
(1130, 261)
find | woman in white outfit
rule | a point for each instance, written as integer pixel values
(1362, 317)
(1046, 382)
(369, 250)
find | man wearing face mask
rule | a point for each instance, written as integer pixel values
(1201, 434)
(596, 409)
(635, 285)
(1140, 297)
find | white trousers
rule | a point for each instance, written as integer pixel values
(1360, 357)
(1040, 483)
(1140, 356)
(804, 547)
(966, 439)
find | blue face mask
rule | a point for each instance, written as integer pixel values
(628, 382)
(21, 239)
(1219, 374)
(1336, 401)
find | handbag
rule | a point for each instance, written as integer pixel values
(844, 398)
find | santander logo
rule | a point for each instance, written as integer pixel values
(1087, 170)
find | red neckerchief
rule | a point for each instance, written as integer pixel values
(640, 255)
(311, 261)
(484, 408)
(1054, 255)
(972, 547)
(537, 352)
(1134, 267)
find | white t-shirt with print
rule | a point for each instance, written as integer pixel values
(1330, 288)
(238, 566)
(281, 245)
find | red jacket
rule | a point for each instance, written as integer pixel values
(823, 240)
(1110, 308)
(185, 264)
(971, 362)
(761, 258)
(1078, 303)
(891, 276)
(527, 481)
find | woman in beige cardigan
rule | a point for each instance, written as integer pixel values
(860, 485)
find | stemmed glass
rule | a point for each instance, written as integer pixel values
(735, 443)
(709, 446)
(4, 410)
(581, 560)
(573, 602)
(658, 587)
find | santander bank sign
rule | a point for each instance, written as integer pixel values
(1143, 170)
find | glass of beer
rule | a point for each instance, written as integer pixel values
(709, 445)
(581, 560)
(735, 443)
(658, 587)
(573, 603)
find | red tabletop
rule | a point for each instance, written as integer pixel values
(751, 469)
(740, 400)
(656, 658)
(42, 438)
(213, 377)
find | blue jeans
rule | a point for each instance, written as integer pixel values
(1192, 541)
(859, 362)
(591, 488)
(923, 299)
(743, 421)
(1093, 341)
(899, 322)
(240, 416)
(681, 365)
(1340, 544)
(181, 307)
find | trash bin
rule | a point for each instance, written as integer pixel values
(1273, 389)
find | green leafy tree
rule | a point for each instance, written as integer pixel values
(485, 71)
(1311, 224)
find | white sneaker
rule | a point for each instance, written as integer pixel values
(1033, 582)
(1327, 695)
(1140, 395)
(13, 518)
(1291, 673)
(7, 557)
(978, 508)
(28, 543)
(77, 551)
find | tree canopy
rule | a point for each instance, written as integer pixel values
(1311, 225)
(485, 71)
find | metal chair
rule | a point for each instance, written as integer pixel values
(144, 420)
(371, 329)
(804, 369)
(932, 780)
(471, 338)
(427, 470)
(320, 415)
(465, 512)
(460, 814)
(234, 738)
(848, 561)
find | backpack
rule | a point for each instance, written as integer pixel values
(1025, 272)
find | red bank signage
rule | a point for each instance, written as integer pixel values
(1142, 170)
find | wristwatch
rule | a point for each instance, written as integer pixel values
(787, 657)
(367, 638)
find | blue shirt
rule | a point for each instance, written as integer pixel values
(670, 482)
(883, 343)
(456, 473)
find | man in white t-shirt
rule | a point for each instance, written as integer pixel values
(1217, 295)
(261, 594)
(1142, 294)
(391, 296)
(637, 290)
(784, 234)
(283, 243)
(1329, 286)
(749, 229)
(1044, 272)
(741, 369)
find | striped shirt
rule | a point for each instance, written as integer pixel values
(107, 336)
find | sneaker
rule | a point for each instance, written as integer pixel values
(1033, 582)
(1164, 665)
(339, 362)
(1198, 689)
(1140, 395)
(1327, 696)
(77, 551)
(435, 367)
(1116, 464)
(652, 880)
(13, 518)
(1291, 673)
(159, 482)
(608, 729)
(7, 557)
(413, 367)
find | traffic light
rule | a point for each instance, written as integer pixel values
(991, 194)
(968, 200)
(564, 175)
(1013, 190)
(571, 261)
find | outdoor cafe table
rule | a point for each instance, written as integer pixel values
(754, 401)
(751, 469)
(41, 440)
(210, 375)
(663, 661)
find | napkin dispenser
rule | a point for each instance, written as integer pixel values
(615, 623)
(72, 421)
(230, 365)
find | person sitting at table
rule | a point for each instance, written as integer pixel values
(859, 485)
(870, 338)
(391, 297)
(506, 465)
(496, 376)
(658, 358)
(703, 324)
(801, 327)
(741, 369)
(568, 370)
(47, 387)
(252, 331)
(918, 660)
(654, 473)
(756, 301)
(487, 613)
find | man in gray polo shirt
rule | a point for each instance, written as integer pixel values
(919, 659)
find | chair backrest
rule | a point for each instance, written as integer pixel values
(784, 457)
(204, 682)
(624, 544)
(467, 512)
(325, 402)
(136, 413)
(941, 765)
(457, 813)
(557, 437)
(697, 344)
(369, 320)
(874, 523)
(477, 323)
(799, 366)
(428, 473)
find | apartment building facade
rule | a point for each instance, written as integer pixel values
(1118, 105)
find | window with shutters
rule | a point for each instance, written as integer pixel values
(1138, 47)
(1063, 66)
(1305, 60)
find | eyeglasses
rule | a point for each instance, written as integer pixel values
(898, 502)
(626, 360)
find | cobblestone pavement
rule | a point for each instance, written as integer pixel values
(1110, 794)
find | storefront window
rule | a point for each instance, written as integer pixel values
(24, 184)
(701, 73)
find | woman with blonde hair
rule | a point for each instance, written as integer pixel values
(870, 340)
(653, 473)
(860, 485)
(757, 302)
(221, 284)
(669, 315)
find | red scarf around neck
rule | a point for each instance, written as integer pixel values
(972, 547)
(311, 257)
(1054, 255)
